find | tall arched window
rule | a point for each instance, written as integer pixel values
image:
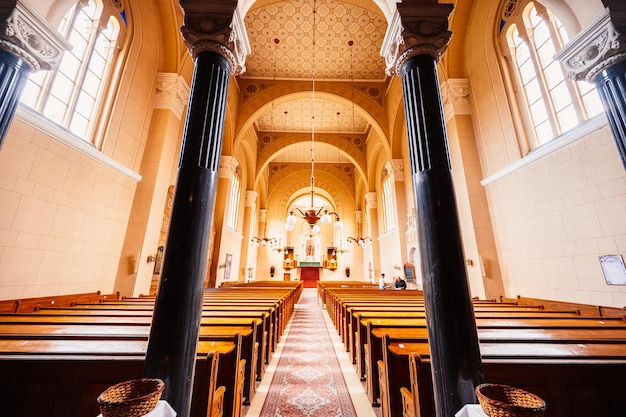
(387, 200)
(549, 103)
(72, 96)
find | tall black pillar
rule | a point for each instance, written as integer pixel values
(13, 75)
(173, 340)
(452, 336)
(27, 43)
(611, 85)
(598, 55)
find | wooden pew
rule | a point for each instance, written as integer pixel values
(574, 379)
(60, 378)
(264, 334)
(96, 327)
(129, 320)
(27, 305)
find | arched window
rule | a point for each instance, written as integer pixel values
(72, 96)
(387, 200)
(549, 103)
(233, 202)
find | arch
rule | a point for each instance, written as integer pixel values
(386, 7)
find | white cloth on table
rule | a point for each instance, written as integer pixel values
(471, 410)
(162, 409)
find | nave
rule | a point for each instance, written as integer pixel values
(310, 372)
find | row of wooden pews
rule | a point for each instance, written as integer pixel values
(573, 359)
(56, 360)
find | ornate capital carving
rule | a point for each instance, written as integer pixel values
(27, 35)
(455, 96)
(370, 200)
(416, 29)
(600, 45)
(395, 168)
(217, 27)
(358, 216)
(172, 93)
(251, 196)
(228, 166)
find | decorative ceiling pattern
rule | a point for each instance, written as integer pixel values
(299, 117)
(333, 25)
(340, 41)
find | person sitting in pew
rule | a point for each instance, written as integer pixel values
(399, 283)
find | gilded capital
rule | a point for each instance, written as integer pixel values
(27, 35)
(599, 46)
(216, 26)
(416, 29)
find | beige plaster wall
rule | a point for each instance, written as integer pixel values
(552, 218)
(64, 214)
(63, 217)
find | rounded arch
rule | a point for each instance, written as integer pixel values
(254, 109)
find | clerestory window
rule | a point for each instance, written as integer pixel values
(73, 95)
(550, 103)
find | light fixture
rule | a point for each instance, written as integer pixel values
(270, 242)
(312, 215)
(359, 240)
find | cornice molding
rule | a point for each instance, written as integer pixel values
(28, 36)
(416, 29)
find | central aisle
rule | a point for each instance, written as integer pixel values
(310, 373)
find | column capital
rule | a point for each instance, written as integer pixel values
(262, 215)
(228, 166)
(218, 27)
(172, 93)
(251, 197)
(27, 35)
(600, 45)
(416, 29)
(455, 94)
(370, 200)
(395, 168)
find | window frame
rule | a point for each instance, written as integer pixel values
(517, 14)
(94, 133)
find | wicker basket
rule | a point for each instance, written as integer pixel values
(133, 398)
(505, 401)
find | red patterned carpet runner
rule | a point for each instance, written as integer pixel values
(308, 379)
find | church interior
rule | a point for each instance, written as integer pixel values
(187, 153)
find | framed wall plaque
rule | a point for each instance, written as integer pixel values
(614, 269)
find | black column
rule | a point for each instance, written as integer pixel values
(13, 75)
(611, 85)
(175, 325)
(452, 337)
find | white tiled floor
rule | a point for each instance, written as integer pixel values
(361, 403)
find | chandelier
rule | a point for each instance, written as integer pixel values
(359, 240)
(270, 242)
(312, 215)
